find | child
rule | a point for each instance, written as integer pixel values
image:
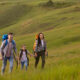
(23, 57)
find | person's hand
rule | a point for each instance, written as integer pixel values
(35, 54)
(30, 54)
(17, 58)
(2, 58)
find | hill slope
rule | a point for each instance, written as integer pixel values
(61, 26)
(28, 18)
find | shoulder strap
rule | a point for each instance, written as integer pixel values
(6, 42)
(21, 52)
(26, 52)
(13, 42)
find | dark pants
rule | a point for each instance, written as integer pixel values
(42, 55)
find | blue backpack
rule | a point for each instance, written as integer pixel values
(5, 37)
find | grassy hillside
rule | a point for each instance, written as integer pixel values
(33, 17)
(61, 26)
(63, 61)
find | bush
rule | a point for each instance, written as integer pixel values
(56, 4)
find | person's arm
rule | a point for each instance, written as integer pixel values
(2, 48)
(30, 53)
(46, 49)
(19, 59)
(15, 49)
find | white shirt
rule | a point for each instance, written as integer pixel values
(42, 42)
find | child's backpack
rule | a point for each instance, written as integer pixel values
(26, 56)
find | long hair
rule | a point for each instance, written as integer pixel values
(39, 40)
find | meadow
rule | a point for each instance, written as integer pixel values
(60, 24)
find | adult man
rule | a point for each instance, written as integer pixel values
(7, 48)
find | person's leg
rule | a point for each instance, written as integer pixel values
(22, 65)
(43, 59)
(37, 61)
(4, 65)
(11, 64)
(26, 64)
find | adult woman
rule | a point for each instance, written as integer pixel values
(40, 50)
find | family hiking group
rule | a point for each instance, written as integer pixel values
(8, 48)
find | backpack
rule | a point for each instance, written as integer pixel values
(36, 37)
(5, 38)
(22, 53)
(34, 46)
(26, 56)
(13, 42)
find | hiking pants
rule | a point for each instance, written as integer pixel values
(22, 64)
(5, 63)
(42, 55)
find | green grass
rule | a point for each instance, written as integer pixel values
(61, 26)
(37, 18)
